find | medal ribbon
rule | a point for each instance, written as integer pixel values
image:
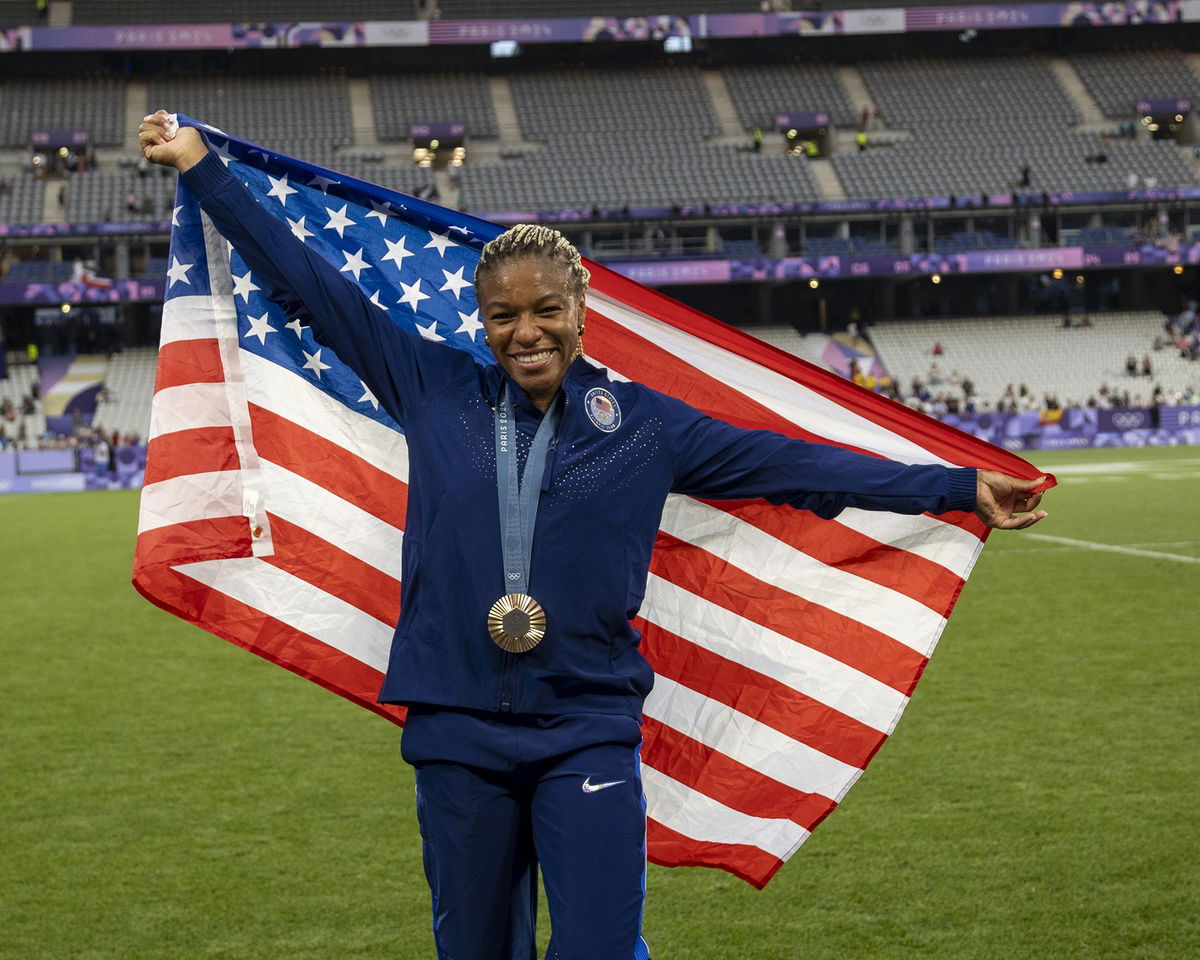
(519, 499)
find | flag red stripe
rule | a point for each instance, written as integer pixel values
(764, 698)
(619, 347)
(213, 539)
(727, 781)
(838, 546)
(345, 474)
(185, 452)
(668, 848)
(853, 643)
(943, 441)
(265, 636)
(333, 570)
(188, 361)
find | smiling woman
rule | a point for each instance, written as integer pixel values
(536, 488)
(531, 283)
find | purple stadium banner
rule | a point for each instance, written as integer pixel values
(1111, 13)
(1083, 427)
(597, 29)
(60, 138)
(802, 120)
(1162, 108)
(562, 29)
(108, 228)
(69, 291)
(1179, 418)
(56, 471)
(834, 266)
(437, 131)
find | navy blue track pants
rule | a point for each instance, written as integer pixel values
(499, 795)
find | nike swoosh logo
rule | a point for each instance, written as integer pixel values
(589, 787)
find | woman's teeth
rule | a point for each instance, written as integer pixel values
(531, 358)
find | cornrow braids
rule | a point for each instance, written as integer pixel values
(534, 240)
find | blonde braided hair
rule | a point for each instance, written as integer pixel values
(534, 240)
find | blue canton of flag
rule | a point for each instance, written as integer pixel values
(414, 260)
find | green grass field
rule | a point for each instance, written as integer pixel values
(164, 794)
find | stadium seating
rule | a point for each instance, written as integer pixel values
(130, 381)
(271, 109)
(602, 171)
(1037, 351)
(445, 97)
(1117, 80)
(564, 100)
(95, 103)
(23, 202)
(104, 195)
(17, 386)
(761, 90)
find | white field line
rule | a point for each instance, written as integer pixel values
(1111, 548)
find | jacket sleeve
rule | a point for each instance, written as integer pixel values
(398, 366)
(717, 461)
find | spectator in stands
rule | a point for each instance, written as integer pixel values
(133, 204)
(1147, 369)
(1026, 175)
(860, 140)
(1131, 365)
(756, 139)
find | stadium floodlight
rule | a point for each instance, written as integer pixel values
(936, 278)
(505, 48)
(677, 45)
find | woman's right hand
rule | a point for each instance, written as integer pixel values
(182, 149)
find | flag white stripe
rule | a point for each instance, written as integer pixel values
(781, 565)
(793, 664)
(194, 496)
(294, 398)
(188, 318)
(793, 401)
(748, 741)
(702, 818)
(299, 604)
(935, 540)
(328, 516)
(189, 406)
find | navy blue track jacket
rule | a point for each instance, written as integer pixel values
(603, 491)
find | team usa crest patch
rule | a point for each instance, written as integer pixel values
(602, 409)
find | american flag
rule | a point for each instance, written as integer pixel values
(785, 647)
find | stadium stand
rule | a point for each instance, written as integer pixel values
(611, 143)
(445, 97)
(130, 386)
(1070, 363)
(761, 90)
(13, 391)
(95, 103)
(1117, 80)
(966, 140)
(593, 170)
(565, 99)
(105, 195)
(22, 202)
(311, 108)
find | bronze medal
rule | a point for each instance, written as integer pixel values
(516, 623)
